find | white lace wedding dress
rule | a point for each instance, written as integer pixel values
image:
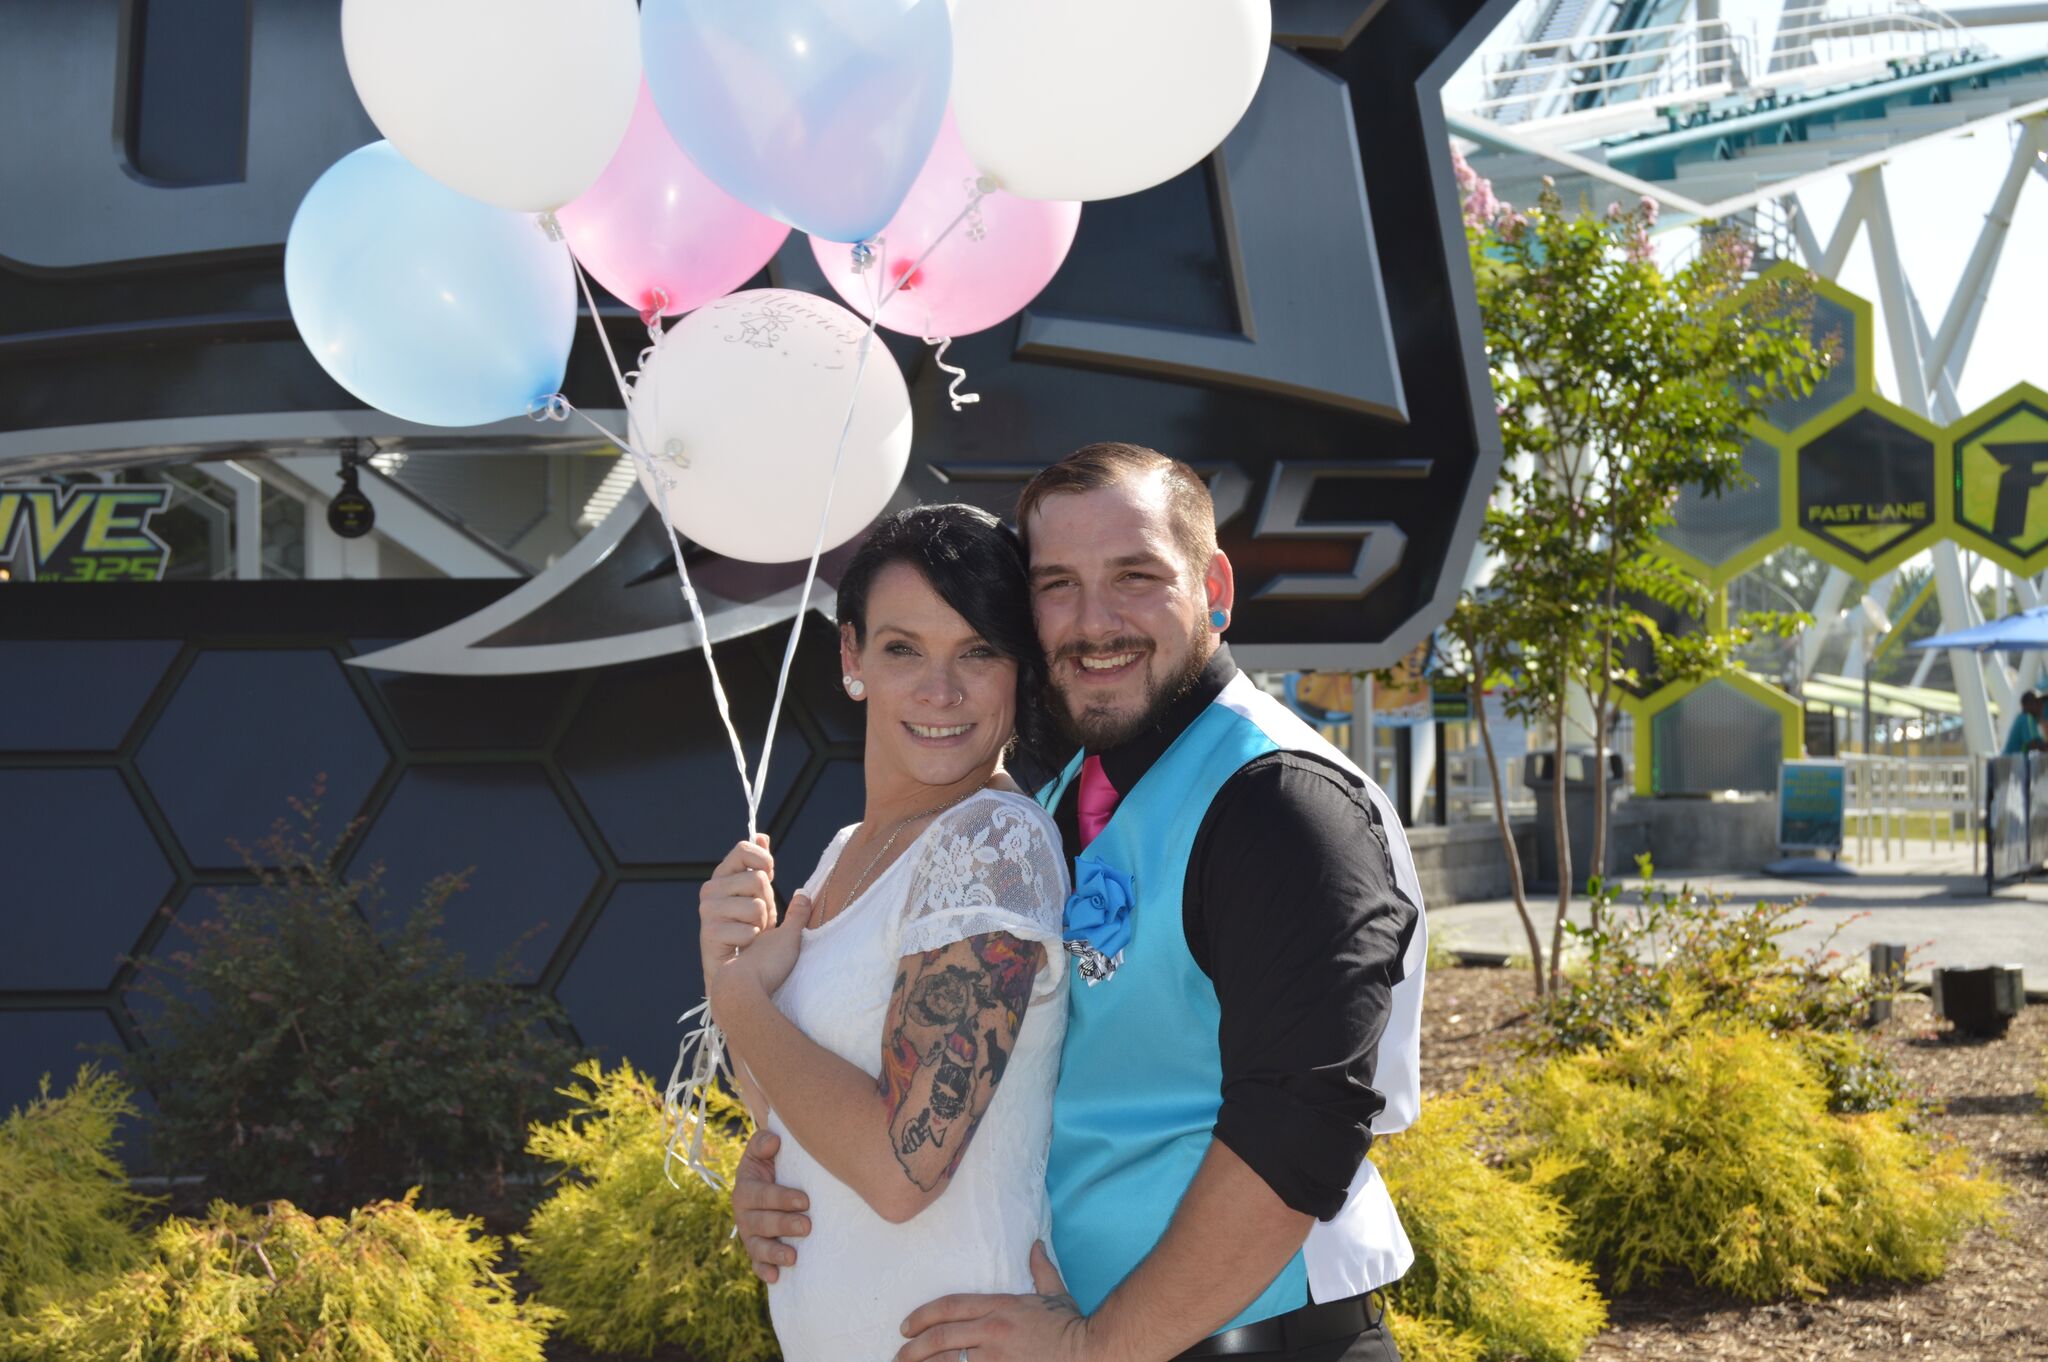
(993, 863)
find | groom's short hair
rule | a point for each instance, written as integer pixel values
(1112, 462)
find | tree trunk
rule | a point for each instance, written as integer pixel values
(1599, 866)
(1507, 835)
(1564, 846)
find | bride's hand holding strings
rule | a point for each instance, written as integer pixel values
(735, 905)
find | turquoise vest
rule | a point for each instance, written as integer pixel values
(1141, 1077)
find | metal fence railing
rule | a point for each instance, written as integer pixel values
(1703, 58)
(1893, 802)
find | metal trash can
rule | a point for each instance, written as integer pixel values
(1537, 774)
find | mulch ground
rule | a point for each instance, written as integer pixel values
(1991, 1304)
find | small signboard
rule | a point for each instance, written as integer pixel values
(1450, 700)
(1812, 798)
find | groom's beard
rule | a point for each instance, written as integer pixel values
(1099, 730)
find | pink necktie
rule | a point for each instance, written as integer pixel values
(1094, 801)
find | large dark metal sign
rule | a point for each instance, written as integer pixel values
(1295, 317)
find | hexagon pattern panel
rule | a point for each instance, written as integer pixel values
(2000, 487)
(526, 872)
(664, 791)
(1716, 738)
(74, 904)
(585, 807)
(82, 695)
(1840, 320)
(636, 974)
(245, 727)
(1865, 487)
(1714, 531)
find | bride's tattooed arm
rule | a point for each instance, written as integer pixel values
(953, 1020)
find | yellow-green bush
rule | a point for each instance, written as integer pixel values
(1423, 1339)
(631, 1260)
(391, 1283)
(1702, 1143)
(1491, 1273)
(65, 1208)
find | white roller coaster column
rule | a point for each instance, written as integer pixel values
(1977, 686)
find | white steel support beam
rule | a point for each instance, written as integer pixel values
(1959, 324)
(1892, 293)
(1802, 230)
(248, 490)
(1971, 678)
(1927, 657)
(1942, 382)
(1854, 212)
(1827, 616)
(2025, 597)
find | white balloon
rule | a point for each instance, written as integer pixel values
(520, 103)
(1093, 99)
(740, 411)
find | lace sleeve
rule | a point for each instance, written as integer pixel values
(992, 865)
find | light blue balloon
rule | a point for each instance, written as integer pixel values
(423, 302)
(816, 112)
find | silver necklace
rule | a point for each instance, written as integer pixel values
(824, 890)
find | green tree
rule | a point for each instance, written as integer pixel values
(1618, 383)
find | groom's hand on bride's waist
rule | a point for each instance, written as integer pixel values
(766, 1212)
(1047, 1327)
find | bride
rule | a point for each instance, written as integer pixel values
(900, 1028)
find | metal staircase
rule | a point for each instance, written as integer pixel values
(1711, 117)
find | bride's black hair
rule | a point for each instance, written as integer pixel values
(976, 564)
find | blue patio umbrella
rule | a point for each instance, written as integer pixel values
(2023, 632)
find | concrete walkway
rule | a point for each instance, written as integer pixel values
(1931, 902)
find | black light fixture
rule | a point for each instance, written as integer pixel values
(350, 513)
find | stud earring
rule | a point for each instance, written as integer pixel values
(1218, 618)
(854, 686)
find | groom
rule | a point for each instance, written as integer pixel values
(1250, 942)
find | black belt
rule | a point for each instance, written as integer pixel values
(1299, 1328)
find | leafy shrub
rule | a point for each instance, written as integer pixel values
(1699, 1142)
(1490, 1267)
(1858, 1078)
(1731, 964)
(65, 1207)
(632, 1260)
(310, 1055)
(1420, 1338)
(391, 1282)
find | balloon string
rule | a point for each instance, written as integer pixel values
(664, 483)
(981, 191)
(796, 628)
(939, 345)
(973, 203)
(686, 1100)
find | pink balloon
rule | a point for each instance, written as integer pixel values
(988, 269)
(655, 229)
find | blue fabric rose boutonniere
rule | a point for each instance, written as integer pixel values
(1098, 918)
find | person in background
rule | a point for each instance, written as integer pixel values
(2025, 733)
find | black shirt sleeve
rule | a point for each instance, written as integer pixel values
(1292, 910)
